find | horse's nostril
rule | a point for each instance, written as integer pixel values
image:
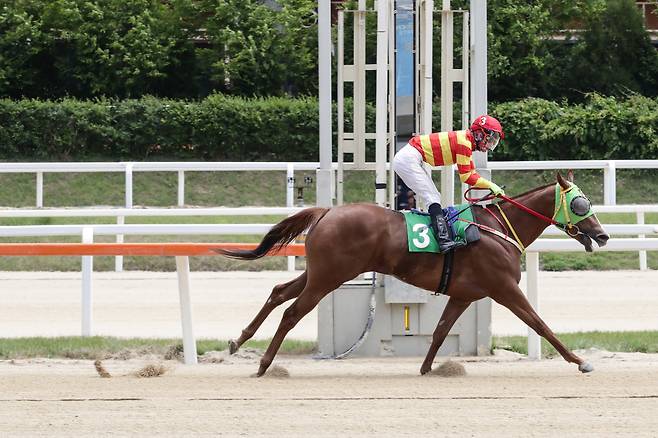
(602, 239)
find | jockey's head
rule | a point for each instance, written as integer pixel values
(487, 133)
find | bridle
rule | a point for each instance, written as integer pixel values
(568, 227)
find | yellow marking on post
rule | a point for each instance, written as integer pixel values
(406, 318)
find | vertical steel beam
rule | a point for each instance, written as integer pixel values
(381, 103)
(324, 87)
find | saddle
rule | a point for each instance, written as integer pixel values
(420, 237)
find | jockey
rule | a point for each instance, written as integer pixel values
(445, 149)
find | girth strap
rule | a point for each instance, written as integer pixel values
(446, 273)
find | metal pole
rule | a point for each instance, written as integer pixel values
(324, 87)
(118, 260)
(290, 199)
(532, 278)
(39, 189)
(609, 184)
(643, 254)
(381, 102)
(189, 343)
(87, 269)
(129, 185)
(181, 188)
(447, 101)
(479, 72)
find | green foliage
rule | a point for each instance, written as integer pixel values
(615, 53)
(255, 49)
(521, 50)
(223, 127)
(599, 128)
(118, 48)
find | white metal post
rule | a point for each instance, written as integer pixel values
(290, 196)
(643, 254)
(39, 189)
(181, 188)
(479, 72)
(323, 186)
(381, 120)
(129, 185)
(189, 343)
(447, 58)
(118, 260)
(532, 287)
(87, 269)
(609, 184)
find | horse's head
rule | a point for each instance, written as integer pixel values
(574, 211)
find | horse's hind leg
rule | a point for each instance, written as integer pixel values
(451, 313)
(519, 305)
(280, 294)
(307, 300)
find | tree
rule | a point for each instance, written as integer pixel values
(614, 54)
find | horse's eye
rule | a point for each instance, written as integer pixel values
(580, 205)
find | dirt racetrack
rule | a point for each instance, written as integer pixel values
(500, 396)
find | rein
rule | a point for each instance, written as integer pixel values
(568, 227)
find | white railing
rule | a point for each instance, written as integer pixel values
(609, 170)
(570, 245)
(121, 213)
(128, 168)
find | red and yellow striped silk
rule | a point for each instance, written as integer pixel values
(448, 148)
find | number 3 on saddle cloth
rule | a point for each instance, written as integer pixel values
(421, 238)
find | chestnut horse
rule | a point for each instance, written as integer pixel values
(346, 241)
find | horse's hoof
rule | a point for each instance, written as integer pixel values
(232, 346)
(424, 371)
(585, 367)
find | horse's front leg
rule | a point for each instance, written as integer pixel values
(451, 313)
(513, 298)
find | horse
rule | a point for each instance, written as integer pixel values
(346, 241)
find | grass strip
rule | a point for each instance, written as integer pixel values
(104, 347)
(629, 342)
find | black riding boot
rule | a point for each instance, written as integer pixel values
(441, 229)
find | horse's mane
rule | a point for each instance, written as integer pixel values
(536, 189)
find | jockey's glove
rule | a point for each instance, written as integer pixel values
(496, 189)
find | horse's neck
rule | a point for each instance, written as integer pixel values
(527, 226)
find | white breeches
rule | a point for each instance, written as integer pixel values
(408, 164)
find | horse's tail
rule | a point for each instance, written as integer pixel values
(280, 235)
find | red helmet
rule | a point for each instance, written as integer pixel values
(487, 132)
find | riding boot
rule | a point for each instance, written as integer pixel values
(442, 230)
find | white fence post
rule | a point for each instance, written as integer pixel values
(532, 287)
(129, 185)
(87, 269)
(181, 188)
(643, 254)
(189, 343)
(118, 260)
(290, 199)
(609, 184)
(39, 189)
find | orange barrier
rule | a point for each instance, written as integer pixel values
(134, 249)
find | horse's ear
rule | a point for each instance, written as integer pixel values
(570, 175)
(565, 185)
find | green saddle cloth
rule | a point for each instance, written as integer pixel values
(421, 238)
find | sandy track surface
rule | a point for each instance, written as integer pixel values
(500, 396)
(146, 304)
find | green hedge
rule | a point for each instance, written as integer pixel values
(278, 129)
